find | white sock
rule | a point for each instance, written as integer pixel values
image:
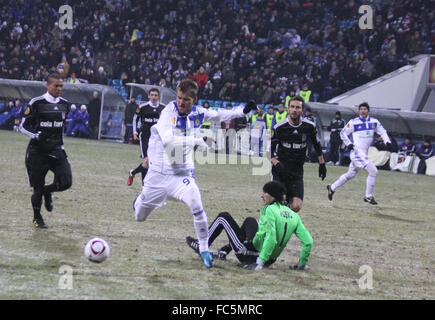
(339, 182)
(201, 228)
(370, 185)
(371, 178)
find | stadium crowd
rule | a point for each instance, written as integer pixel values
(233, 49)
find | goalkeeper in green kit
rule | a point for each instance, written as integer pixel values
(258, 245)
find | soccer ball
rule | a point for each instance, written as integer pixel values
(97, 250)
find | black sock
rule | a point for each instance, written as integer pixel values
(36, 205)
(137, 170)
(144, 173)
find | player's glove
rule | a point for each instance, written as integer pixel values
(350, 147)
(257, 265)
(303, 267)
(251, 105)
(322, 171)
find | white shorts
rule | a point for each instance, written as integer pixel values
(359, 160)
(157, 187)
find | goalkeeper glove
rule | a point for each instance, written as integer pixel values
(350, 147)
(322, 171)
(251, 105)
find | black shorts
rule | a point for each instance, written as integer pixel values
(293, 183)
(38, 163)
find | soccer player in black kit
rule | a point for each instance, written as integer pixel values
(288, 148)
(43, 122)
(146, 115)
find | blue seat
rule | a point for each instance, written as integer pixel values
(316, 97)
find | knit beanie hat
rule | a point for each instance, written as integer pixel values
(275, 189)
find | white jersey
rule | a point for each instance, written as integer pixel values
(363, 131)
(172, 141)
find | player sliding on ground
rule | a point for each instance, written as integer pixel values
(258, 245)
(362, 129)
(171, 163)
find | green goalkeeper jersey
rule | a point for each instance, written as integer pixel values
(277, 223)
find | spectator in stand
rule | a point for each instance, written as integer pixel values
(73, 78)
(63, 68)
(305, 93)
(101, 77)
(250, 40)
(201, 78)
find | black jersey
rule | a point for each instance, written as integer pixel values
(289, 144)
(145, 117)
(45, 115)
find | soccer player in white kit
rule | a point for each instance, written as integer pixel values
(362, 129)
(171, 163)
